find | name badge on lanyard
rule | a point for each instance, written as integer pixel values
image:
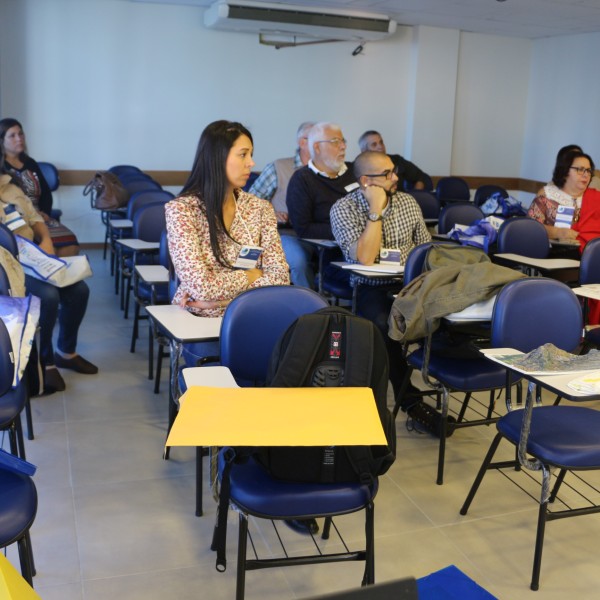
(13, 219)
(248, 257)
(389, 256)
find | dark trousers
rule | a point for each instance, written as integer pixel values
(374, 303)
(67, 306)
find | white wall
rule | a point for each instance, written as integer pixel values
(101, 82)
(491, 100)
(563, 101)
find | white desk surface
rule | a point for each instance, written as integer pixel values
(564, 243)
(371, 270)
(183, 326)
(153, 273)
(591, 290)
(548, 264)
(121, 223)
(557, 384)
(135, 244)
(209, 377)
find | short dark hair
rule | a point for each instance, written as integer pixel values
(564, 163)
(362, 163)
(208, 178)
(569, 148)
(363, 138)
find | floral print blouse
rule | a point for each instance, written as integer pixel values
(544, 207)
(201, 276)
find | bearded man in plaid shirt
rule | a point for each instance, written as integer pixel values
(369, 222)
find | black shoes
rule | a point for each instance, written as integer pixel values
(412, 396)
(304, 526)
(53, 381)
(77, 364)
(423, 417)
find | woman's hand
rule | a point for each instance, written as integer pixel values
(186, 302)
(253, 275)
(282, 217)
(565, 233)
(47, 246)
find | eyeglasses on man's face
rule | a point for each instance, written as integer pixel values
(583, 170)
(388, 173)
(334, 141)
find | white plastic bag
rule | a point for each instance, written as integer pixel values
(60, 272)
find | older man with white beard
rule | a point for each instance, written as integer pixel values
(315, 188)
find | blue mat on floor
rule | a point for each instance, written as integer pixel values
(450, 584)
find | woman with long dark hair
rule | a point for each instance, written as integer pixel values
(222, 240)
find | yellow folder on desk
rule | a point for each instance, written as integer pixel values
(340, 416)
(12, 585)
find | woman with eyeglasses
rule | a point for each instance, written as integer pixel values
(559, 206)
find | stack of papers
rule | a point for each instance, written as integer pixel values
(587, 384)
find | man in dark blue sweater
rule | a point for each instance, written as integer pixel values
(315, 188)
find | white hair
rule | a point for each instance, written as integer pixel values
(303, 130)
(316, 134)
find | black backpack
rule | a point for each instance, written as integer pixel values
(332, 347)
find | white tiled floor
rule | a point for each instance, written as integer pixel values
(116, 521)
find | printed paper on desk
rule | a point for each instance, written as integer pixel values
(248, 257)
(216, 416)
(588, 384)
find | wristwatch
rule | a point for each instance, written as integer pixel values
(375, 217)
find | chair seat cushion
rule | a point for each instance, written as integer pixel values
(257, 493)
(564, 436)
(18, 506)
(465, 375)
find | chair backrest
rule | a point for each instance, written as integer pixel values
(452, 189)
(535, 311)
(164, 258)
(149, 222)
(589, 268)
(8, 240)
(525, 236)
(50, 173)
(139, 185)
(483, 192)
(462, 213)
(139, 199)
(255, 320)
(124, 169)
(428, 203)
(7, 367)
(253, 177)
(416, 259)
(427, 182)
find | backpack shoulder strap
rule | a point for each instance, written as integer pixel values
(307, 335)
(359, 364)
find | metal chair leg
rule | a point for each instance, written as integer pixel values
(240, 584)
(485, 465)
